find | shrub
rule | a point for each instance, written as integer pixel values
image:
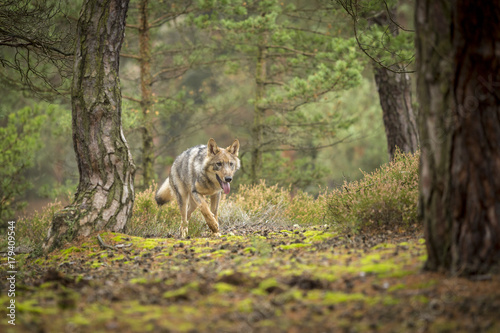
(386, 197)
(32, 230)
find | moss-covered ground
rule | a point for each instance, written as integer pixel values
(295, 280)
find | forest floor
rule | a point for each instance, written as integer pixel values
(255, 280)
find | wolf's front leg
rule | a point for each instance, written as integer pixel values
(209, 217)
(214, 204)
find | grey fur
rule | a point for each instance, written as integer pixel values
(195, 173)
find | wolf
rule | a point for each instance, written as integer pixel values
(199, 171)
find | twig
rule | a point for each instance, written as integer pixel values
(104, 245)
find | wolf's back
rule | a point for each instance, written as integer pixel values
(186, 168)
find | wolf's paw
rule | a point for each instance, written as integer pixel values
(184, 232)
(217, 234)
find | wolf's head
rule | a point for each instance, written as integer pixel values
(223, 162)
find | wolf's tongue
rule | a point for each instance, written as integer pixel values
(225, 187)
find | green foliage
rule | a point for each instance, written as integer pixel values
(385, 40)
(19, 141)
(386, 197)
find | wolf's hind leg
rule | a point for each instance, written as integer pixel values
(191, 208)
(183, 206)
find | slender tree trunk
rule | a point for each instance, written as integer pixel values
(458, 65)
(394, 90)
(105, 194)
(258, 116)
(146, 94)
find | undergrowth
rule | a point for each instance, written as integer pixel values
(386, 197)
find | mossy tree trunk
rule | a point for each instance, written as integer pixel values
(105, 194)
(458, 66)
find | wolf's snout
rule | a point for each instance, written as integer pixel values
(228, 179)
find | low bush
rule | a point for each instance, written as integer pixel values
(32, 230)
(386, 197)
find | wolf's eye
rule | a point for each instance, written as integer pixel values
(219, 164)
(231, 164)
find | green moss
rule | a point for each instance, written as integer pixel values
(245, 305)
(384, 246)
(118, 257)
(70, 250)
(268, 283)
(318, 236)
(222, 287)
(32, 306)
(290, 295)
(184, 291)
(293, 246)
(95, 264)
(79, 319)
(380, 268)
(250, 249)
(331, 298)
(141, 280)
(397, 287)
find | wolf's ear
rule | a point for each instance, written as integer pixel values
(212, 148)
(234, 147)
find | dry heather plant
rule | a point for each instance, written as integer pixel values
(251, 206)
(386, 197)
(32, 230)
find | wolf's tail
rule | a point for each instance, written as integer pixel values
(164, 194)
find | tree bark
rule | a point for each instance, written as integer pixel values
(475, 159)
(105, 194)
(146, 95)
(458, 65)
(394, 90)
(259, 112)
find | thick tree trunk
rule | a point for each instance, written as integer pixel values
(400, 122)
(146, 95)
(475, 159)
(458, 65)
(434, 82)
(105, 194)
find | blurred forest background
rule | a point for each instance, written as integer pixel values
(287, 78)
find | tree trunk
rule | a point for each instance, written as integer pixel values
(394, 90)
(400, 122)
(458, 65)
(146, 95)
(105, 194)
(258, 115)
